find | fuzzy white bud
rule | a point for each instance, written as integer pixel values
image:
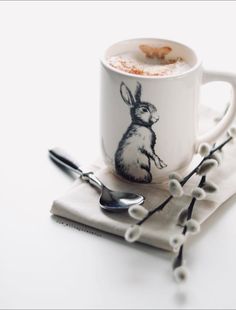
(198, 193)
(181, 274)
(133, 233)
(232, 132)
(210, 187)
(207, 166)
(137, 212)
(175, 176)
(218, 157)
(175, 188)
(182, 217)
(177, 240)
(193, 227)
(204, 149)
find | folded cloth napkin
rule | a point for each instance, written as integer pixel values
(80, 203)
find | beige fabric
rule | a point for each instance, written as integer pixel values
(80, 203)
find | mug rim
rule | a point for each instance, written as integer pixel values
(176, 76)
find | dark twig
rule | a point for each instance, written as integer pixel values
(179, 259)
(184, 181)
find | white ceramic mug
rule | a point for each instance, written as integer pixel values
(147, 151)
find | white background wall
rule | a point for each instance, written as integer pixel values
(49, 94)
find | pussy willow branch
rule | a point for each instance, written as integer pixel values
(217, 148)
(189, 216)
(184, 181)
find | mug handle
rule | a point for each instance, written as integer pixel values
(213, 134)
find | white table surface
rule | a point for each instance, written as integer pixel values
(49, 95)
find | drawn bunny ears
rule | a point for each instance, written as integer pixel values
(127, 95)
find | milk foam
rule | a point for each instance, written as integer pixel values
(136, 62)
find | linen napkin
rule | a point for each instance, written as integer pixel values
(80, 203)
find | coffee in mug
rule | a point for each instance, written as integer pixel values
(150, 61)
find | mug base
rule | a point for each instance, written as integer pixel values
(159, 181)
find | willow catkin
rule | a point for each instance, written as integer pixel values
(133, 233)
(207, 166)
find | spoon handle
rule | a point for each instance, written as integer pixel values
(61, 157)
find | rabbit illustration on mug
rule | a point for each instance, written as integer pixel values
(136, 148)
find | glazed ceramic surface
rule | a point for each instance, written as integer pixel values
(149, 124)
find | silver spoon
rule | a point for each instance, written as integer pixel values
(109, 200)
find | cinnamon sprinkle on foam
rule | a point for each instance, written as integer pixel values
(139, 64)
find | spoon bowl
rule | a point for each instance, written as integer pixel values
(110, 200)
(118, 201)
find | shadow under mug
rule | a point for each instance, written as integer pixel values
(149, 124)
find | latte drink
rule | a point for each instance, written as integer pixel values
(149, 61)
